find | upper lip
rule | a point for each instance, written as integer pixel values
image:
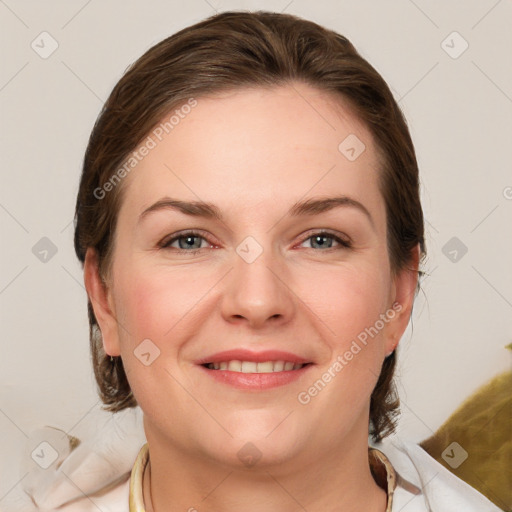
(249, 355)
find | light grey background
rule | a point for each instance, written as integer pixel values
(460, 115)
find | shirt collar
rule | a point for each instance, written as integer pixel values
(381, 469)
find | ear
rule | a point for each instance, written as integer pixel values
(102, 303)
(402, 299)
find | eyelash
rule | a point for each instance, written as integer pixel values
(165, 244)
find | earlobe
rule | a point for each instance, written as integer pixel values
(404, 294)
(100, 298)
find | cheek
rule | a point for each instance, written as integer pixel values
(155, 306)
(348, 300)
(349, 303)
(158, 304)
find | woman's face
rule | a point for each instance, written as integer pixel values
(261, 275)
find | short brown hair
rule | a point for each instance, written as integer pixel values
(229, 51)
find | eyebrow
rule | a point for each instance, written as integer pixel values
(312, 206)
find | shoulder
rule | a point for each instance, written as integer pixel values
(112, 498)
(423, 484)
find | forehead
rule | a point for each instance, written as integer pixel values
(257, 147)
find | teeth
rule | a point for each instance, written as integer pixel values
(253, 367)
(235, 366)
(266, 367)
(249, 367)
(278, 366)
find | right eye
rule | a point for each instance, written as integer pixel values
(186, 240)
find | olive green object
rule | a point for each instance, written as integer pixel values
(482, 430)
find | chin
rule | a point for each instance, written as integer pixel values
(259, 454)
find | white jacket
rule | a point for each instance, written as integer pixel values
(95, 475)
(441, 490)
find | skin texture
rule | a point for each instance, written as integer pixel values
(254, 153)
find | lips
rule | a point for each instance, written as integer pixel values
(250, 371)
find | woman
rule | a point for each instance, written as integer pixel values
(251, 231)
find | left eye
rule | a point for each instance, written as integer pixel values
(319, 240)
(185, 241)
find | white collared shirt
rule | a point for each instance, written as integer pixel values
(415, 483)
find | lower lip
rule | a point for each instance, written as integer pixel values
(256, 381)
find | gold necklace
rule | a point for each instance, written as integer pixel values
(146, 493)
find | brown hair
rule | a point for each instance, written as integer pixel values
(229, 51)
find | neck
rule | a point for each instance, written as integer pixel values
(337, 480)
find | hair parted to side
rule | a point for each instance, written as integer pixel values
(227, 51)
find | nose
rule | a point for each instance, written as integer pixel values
(258, 293)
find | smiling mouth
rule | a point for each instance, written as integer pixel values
(255, 367)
